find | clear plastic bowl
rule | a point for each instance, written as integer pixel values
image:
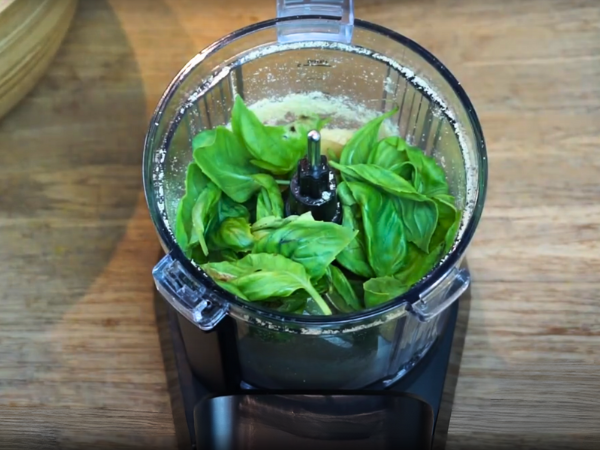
(359, 76)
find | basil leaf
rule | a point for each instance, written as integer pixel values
(389, 152)
(203, 210)
(384, 230)
(354, 256)
(276, 149)
(214, 256)
(270, 202)
(230, 208)
(263, 276)
(432, 179)
(266, 225)
(449, 221)
(382, 290)
(234, 234)
(357, 149)
(420, 220)
(380, 178)
(225, 160)
(418, 212)
(322, 284)
(195, 182)
(342, 287)
(345, 194)
(313, 244)
(295, 303)
(418, 264)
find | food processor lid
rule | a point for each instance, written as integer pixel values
(317, 420)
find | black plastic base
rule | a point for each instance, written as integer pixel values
(425, 381)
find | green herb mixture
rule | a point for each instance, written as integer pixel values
(398, 217)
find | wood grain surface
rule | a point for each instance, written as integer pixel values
(80, 358)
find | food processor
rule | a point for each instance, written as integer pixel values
(260, 378)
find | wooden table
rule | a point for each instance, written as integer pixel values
(80, 360)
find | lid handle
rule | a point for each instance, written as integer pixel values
(441, 295)
(337, 26)
(188, 296)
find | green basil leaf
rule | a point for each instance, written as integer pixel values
(313, 244)
(230, 208)
(381, 178)
(234, 234)
(226, 208)
(342, 287)
(408, 171)
(277, 149)
(204, 209)
(215, 255)
(389, 152)
(295, 303)
(195, 182)
(354, 256)
(265, 276)
(345, 194)
(270, 202)
(225, 160)
(418, 264)
(384, 230)
(432, 177)
(448, 223)
(382, 290)
(420, 220)
(266, 225)
(357, 149)
(322, 284)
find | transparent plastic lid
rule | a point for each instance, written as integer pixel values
(346, 70)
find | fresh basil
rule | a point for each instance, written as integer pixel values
(312, 243)
(420, 220)
(357, 149)
(203, 211)
(432, 179)
(354, 256)
(270, 202)
(226, 161)
(195, 182)
(380, 178)
(381, 290)
(234, 234)
(384, 231)
(419, 213)
(449, 221)
(398, 218)
(418, 264)
(342, 287)
(276, 149)
(389, 152)
(259, 277)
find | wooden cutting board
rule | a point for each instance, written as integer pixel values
(31, 32)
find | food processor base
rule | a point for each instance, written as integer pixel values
(410, 411)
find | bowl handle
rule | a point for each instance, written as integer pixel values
(336, 26)
(187, 295)
(441, 295)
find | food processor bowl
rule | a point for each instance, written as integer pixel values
(315, 59)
